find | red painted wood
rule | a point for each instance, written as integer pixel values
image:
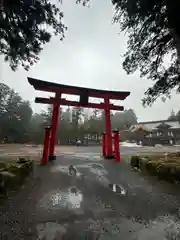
(54, 126)
(64, 102)
(74, 90)
(116, 146)
(45, 156)
(103, 144)
(109, 151)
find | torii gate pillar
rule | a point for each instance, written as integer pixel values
(54, 126)
(108, 136)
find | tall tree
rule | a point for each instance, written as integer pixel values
(15, 115)
(77, 114)
(178, 116)
(95, 121)
(153, 32)
(36, 130)
(123, 120)
(172, 116)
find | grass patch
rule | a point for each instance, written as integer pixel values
(165, 167)
(13, 172)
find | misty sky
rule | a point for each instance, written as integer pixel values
(90, 56)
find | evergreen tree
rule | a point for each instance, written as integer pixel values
(153, 36)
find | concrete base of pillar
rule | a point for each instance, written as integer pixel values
(109, 157)
(52, 157)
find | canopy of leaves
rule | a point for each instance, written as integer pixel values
(149, 25)
(15, 116)
(25, 26)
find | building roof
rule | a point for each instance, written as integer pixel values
(155, 124)
(138, 127)
(159, 121)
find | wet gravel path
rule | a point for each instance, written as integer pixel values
(85, 203)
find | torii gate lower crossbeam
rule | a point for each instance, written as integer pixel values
(84, 94)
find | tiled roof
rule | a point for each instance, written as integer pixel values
(154, 124)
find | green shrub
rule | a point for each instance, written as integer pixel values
(135, 160)
(174, 154)
(12, 174)
(165, 168)
(177, 173)
(151, 167)
(164, 172)
(2, 165)
(143, 164)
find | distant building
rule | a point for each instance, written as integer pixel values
(165, 132)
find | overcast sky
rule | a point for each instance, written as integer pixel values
(90, 56)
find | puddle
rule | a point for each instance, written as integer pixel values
(70, 170)
(65, 169)
(50, 231)
(98, 170)
(95, 165)
(70, 199)
(117, 189)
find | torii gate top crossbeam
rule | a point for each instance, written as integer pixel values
(66, 89)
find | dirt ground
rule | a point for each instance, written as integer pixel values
(36, 150)
(101, 200)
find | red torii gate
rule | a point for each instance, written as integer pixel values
(84, 93)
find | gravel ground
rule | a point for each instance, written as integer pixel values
(23, 149)
(97, 199)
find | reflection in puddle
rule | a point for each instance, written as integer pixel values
(97, 169)
(98, 172)
(66, 169)
(71, 199)
(95, 165)
(117, 189)
(72, 171)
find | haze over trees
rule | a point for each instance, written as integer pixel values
(18, 123)
(174, 116)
